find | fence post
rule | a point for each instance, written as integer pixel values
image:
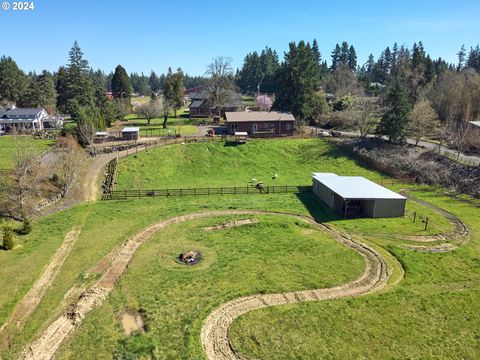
(414, 216)
(181, 192)
(426, 224)
(235, 190)
(221, 190)
(125, 194)
(139, 194)
(286, 189)
(247, 189)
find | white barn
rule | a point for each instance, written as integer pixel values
(355, 196)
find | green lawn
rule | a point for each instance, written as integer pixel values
(217, 164)
(436, 303)
(8, 146)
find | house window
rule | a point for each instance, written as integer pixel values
(254, 128)
(288, 126)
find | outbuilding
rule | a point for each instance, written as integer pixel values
(131, 133)
(355, 196)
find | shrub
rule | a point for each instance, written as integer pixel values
(8, 237)
(26, 227)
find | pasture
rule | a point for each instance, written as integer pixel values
(9, 143)
(429, 299)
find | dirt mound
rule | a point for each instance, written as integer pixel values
(232, 223)
(132, 322)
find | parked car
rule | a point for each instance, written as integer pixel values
(335, 133)
(324, 133)
(2, 132)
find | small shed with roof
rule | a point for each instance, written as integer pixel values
(355, 196)
(131, 133)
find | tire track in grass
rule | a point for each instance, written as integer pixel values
(36, 293)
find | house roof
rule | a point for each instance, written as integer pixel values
(258, 116)
(475, 123)
(196, 103)
(26, 112)
(355, 187)
(131, 129)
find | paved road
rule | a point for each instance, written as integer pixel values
(443, 150)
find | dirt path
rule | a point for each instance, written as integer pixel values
(50, 340)
(459, 234)
(214, 334)
(38, 290)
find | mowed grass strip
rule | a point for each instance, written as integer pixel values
(217, 164)
(277, 254)
(8, 147)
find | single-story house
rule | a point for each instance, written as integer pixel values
(130, 133)
(202, 106)
(355, 196)
(28, 119)
(260, 123)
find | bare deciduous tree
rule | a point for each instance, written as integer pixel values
(422, 120)
(221, 84)
(69, 158)
(150, 110)
(21, 186)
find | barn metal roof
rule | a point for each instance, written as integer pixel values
(355, 187)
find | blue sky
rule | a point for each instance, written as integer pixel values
(146, 35)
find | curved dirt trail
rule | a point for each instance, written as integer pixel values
(215, 340)
(49, 341)
(459, 233)
(39, 288)
(214, 334)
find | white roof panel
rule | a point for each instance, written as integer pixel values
(355, 187)
(131, 129)
(241, 133)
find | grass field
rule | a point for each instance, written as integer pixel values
(8, 145)
(216, 164)
(434, 304)
(432, 313)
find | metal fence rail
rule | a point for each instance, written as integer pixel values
(235, 190)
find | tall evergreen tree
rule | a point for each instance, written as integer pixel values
(299, 83)
(336, 57)
(461, 58)
(12, 80)
(394, 122)
(352, 58)
(121, 87)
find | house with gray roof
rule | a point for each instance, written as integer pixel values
(202, 106)
(28, 120)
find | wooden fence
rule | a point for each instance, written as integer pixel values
(236, 190)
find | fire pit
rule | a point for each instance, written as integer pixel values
(190, 257)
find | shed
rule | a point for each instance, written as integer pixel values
(355, 196)
(241, 137)
(130, 133)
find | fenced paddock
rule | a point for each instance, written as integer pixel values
(235, 190)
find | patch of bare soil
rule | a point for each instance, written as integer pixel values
(39, 288)
(232, 223)
(132, 322)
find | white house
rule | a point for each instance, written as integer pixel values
(28, 119)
